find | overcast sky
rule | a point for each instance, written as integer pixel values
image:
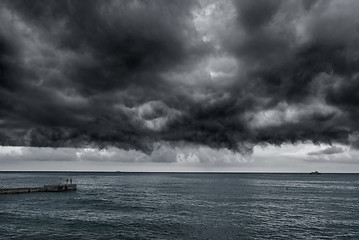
(179, 85)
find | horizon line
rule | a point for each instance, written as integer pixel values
(229, 172)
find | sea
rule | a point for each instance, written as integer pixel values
(182, 206)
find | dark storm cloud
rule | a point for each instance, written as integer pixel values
(112, 46)
(132, 74)
(253, 15)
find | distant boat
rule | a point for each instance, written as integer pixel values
(314, 173)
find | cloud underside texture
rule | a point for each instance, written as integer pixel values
(135, 74)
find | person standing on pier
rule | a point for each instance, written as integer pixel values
(70, 180)
(67, 180)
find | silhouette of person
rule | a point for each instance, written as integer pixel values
(70, 180)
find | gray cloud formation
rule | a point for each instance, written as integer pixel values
(134, 74)
(329, 150)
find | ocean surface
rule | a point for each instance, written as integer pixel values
(182, 206)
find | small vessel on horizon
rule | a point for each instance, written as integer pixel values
(315, 173)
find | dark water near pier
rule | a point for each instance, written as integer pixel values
(183, 206)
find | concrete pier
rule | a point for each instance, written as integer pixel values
(45, 188)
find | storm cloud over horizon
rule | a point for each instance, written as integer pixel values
(220, 74)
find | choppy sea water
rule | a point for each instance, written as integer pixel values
(182, 206)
